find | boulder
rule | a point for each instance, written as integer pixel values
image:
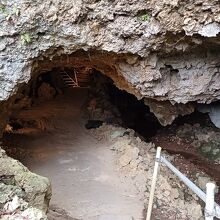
(130, 154)
(16, 179)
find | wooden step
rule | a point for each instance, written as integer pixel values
(78, 79)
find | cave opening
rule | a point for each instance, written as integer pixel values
(106, 102)
(48, 131)
(133, 112)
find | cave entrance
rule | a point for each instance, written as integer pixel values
(49, 134)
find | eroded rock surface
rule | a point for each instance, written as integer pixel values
(17, 180)
(166, 112)
(164, 50)
(17, 209)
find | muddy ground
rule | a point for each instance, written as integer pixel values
(102, 173)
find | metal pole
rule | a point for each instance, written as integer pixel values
(153, 185)
(210, 201)
(191, 185)
(188, 182)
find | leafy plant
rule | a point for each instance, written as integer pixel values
(145, 17)
(25, 38)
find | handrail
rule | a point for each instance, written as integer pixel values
(212, 208)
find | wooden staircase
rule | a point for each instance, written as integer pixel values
(76, 79)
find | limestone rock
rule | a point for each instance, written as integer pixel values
(213, 111)
(129, 155)
(30, 214)
(8, 192)
(152, 49)
(13, 205)
(210, 30)
(202, 181)
(18, 180)
(17, 209)
(174, 193)
(119, 133)
(33, 214)
(166, 112)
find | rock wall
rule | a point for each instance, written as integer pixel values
(166, 52)
(17, 180)
(163, 50)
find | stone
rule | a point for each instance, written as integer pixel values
(13, 205)
(210, 30)
(118, 133)
(33, 214)
(166, 112)
(215, 151)
(129, 155)
(121, 145)
(203, 137)
(17, 209)
(34, 189)
(174, 194)
(29, 213)
(171, 194)
(195, 212)
(206, 149)
(8, 192)
(166, 193)
(201, 181)
(8, 129)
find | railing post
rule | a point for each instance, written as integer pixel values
(153, 185)
(210, 201)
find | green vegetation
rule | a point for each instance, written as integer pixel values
(145, 17)
(26, 38)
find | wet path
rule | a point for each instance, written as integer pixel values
(85, 178)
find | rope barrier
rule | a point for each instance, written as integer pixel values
(212, 209)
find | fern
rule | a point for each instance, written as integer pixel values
(25, 38)
(145, 17)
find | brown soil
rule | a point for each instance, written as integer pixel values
(193, 160)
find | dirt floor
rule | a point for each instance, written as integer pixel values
(106, 173)
(85, 178)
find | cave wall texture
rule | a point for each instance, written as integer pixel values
(164, 51)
